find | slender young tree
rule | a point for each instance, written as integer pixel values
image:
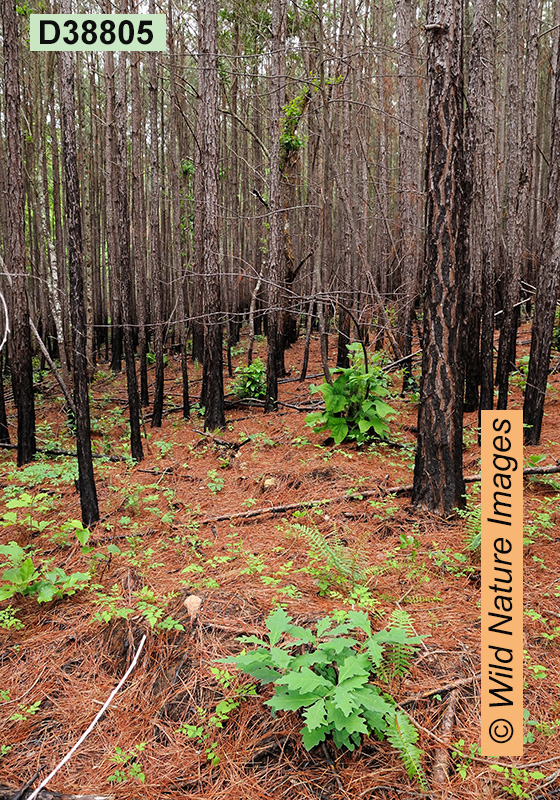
(155, 243)
(86, 479)
(483, 208)
(275, 244)
(438, 470)
(126, 290)
(547, 285)
(212, 370)
(20, 338)
(522, 100)
(409, 194)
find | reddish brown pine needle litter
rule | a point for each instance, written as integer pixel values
(68, 662)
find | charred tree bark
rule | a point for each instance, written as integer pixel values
(136, 449)
(409, 190)
(86, 478)
(438, 471)
(139, 221)
(483, 216)
(112, 178)
(522, 98)
(548, 280)
(212, 369)
(275, 245)
(20, 338)
(155, 245)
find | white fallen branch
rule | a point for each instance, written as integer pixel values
(98, 716)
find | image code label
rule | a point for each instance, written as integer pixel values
(90, 32)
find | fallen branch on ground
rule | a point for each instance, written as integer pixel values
(441, 689)
(13, 794)
(441, 757)
(48, 452)
(257, 512)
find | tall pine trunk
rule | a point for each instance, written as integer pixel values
(20, 337)
(212, 370)
(438, 470)
(86, 479)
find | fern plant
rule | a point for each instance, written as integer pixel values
(345, 565)
(398, 655)
(326, 677)
(471, 515)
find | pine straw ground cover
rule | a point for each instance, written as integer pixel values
(158, 543)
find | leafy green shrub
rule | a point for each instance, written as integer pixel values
(22, 577)
(251, 380)
(354, 410)
(326, 676)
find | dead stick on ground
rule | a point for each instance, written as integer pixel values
(68, 453)
(98, 716)
(257, 512)
(448, 687)
(441, 757)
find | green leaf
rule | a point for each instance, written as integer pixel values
(305, 681)
(284, 701)
(323, 625)
(338, 428)
(46, 591)
(316, 715)
(353, 666)
(365, 424)
(277, 622)
(311, 738)
(344, 700)
(13, 551)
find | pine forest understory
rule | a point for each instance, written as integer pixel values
(255, 292)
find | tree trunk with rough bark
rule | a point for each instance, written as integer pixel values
(86, 478)
(438, 471)
(212, 369)
(275, 242)
(481, 165)
(20, 337)
(136, 449)
(547, 285)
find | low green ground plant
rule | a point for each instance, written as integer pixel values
(250, 381)
(326, 676)
(354, 408)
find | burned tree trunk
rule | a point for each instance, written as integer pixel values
(547, 286)
(86, 479)
(212, 370)
(20, 338)
(438, 471)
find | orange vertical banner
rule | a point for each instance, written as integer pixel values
(502, 583)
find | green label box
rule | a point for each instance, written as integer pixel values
(90, 32)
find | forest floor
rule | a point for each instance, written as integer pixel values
(160, 542)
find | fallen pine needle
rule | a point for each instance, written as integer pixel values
(98, 716)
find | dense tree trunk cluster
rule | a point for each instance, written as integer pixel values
(269, 169)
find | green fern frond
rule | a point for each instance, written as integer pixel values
(471, 515)
(397, 657)
(344, 565)
(402, 734)
(401, 619)
(421, 598)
